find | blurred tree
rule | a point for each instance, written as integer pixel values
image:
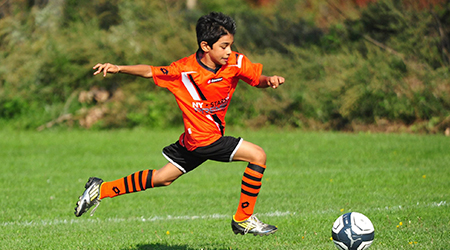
(37, 3)
(5, 7)
(191, 4)
(108, 13)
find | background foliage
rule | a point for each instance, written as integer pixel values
(382, 66)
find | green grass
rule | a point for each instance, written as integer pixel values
(401, 182)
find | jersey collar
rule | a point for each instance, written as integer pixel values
(197, 56)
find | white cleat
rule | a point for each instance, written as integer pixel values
(90, 197)
(253, 226)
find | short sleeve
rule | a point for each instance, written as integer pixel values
(165, 76)
(249, 72)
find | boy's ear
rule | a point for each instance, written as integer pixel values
(205, 47)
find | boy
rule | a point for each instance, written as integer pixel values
(203, 85)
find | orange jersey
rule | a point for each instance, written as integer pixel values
(204, 94)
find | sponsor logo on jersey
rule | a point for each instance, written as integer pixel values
(211, 107)
(214, 80)
(164, 71)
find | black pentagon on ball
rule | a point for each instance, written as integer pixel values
(348, 237)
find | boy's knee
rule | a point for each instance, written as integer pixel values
(166, 175)
(260, 156)
(250, 152)
(160, 180)
(164, 183)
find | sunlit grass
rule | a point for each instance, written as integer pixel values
(399, 181)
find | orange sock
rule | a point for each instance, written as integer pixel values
(135, 182)
(251, 184)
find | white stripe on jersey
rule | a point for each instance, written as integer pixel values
(189, 86)
(210, 117)
(239, 61)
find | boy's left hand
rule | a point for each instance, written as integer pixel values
(274, 81)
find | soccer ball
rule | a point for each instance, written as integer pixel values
(353, 231)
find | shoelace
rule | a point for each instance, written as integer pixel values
(97, 202)
(253, 223)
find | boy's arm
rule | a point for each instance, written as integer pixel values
(270, 81)
(137, 70)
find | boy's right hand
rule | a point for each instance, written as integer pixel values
(106, 68)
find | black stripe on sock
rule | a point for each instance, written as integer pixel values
(125, 181)
(133, 182)
(250, 185)
(256, 168)
(248, 193)
(141, 185)
(252, 177)
(148, 184)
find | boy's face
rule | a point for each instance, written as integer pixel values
(220, 50)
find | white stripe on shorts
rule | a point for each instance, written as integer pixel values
(174, 163)
(236, 149)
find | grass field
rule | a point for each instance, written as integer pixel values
(401, 182)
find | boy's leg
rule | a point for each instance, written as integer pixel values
(251, 181)
(97, 189)
(250, 186)
(243, 221)
(140, 181)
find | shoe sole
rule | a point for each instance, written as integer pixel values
(80, 209)
(236, 230)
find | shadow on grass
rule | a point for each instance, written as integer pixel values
(158, 246)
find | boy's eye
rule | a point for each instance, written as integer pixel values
(225, 46)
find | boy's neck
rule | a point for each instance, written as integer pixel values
(206, 62)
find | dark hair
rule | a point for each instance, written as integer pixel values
(213, 26)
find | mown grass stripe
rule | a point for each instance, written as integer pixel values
(204, 217)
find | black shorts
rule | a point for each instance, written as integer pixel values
(222, 150)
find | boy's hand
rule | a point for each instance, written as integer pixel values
(274, 81)
(270, 81)
(106, 68)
